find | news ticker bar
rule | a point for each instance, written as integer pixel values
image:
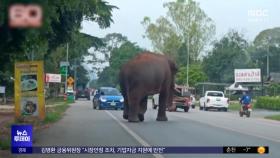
(140, 150)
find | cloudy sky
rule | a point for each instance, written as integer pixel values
(227, 14)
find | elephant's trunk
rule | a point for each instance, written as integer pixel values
(171, 107)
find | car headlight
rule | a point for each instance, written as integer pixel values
(121, 100)
(103, 99)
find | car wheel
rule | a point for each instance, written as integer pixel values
(200, 108)
(240, 114)
(205, 108)
(98, 107)
(193, 106)
(154, 106)
(225, 109)
(88, 98)
(248, 114)
(186, 109)
(94, 107)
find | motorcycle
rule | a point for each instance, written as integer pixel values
(246, 110)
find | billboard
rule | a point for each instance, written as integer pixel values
(53, 78)
(29, 89)
(247, 75)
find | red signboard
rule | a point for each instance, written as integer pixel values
(53, 78)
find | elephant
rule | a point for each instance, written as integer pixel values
(147, 74)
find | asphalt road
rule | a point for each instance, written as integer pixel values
(82, 126)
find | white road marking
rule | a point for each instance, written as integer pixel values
(230, 129)
(133, 134)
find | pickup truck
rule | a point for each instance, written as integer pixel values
(214, 100)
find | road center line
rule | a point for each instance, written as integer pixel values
(230, 129)
(133, 134)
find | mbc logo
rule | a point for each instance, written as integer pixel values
(22, 16)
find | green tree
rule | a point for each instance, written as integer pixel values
(185, 21)
(109, 76)
(110, 42)
(267, 44)
(227, 54)
(196, 74)
(61, 24)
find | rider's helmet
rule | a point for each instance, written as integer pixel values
(244, 92)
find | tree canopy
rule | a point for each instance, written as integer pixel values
(227, 54)
(184, 21)
(61, 24)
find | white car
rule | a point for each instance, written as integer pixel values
(214, 100)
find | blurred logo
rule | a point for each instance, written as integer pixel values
(261, 150)
(21, 138)
(257, 15)
(23, 16)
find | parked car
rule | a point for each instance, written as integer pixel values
(181, 99)
(108, 98)
(82, 93)
(214, 100)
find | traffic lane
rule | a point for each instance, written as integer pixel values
(259, 127)
(185, 132)
(260, 113)
(83, 126)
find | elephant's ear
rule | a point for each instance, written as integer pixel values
(172, 65)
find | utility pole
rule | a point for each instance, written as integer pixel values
(66, 72)
(188, 50)
(75, 74)
(267, 62)
(188, 61)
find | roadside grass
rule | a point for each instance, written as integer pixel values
(273, 117)
(234, 106)
(54, 100)
(53, 114)
(5, 143)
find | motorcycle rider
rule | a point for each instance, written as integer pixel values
(245, 100)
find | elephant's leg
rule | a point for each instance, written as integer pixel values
(125, 108)
(134, 104)
(143, 108)
(163, 98)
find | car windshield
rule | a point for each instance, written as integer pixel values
(215, 94)
(110, 91)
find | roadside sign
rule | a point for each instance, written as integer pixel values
(54, 78)
(63, 70)
(64, 63)
(2, 89)
(247, 75)
(29, 89)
